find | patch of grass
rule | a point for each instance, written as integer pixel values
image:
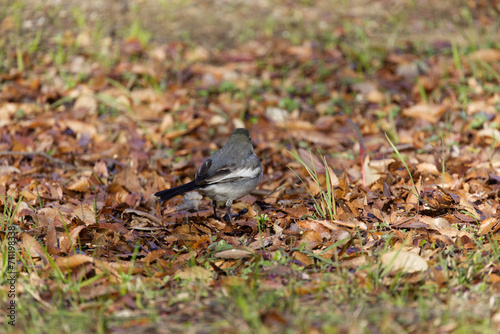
(398, 154)
(325, 204)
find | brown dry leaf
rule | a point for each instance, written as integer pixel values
(7, 110)
(211, 74)
(46, 216)
(405, 222)
(261, 243)
(312, 225)
(370, 92)
(8, 23)
(123, 266)
(7, 170)
(71, 262)
(430, 113)
(488, 134)
(103, 267)
(414, 195)
(129, 180)
(80, 127)
(145, 95)
(33, 247)
(86, 102)
(487, 224)
(313, 187)
(365, 87)
(303, 52)
(303, 258)
(437, 223)
(467, 206)
(101, 169)
(273, 318)
(353, 262)
(438, 276)
(297, 212)
(408, 262)
(375, 169)
(82, 185)
(29, 196)
(277, 116)
(154, 255)
(68, 242)
(352, 224)
(51, 240)
(278, 230)
(196, 54)
(408, 70)
(86, 213)
(481, 106)
(486, 55)
(233, 254)
(453, 233)
(96, 290)
(195, 273)
(337, 233)
(494, 278)
(328, 225)
(427, 168)
(376, 96)
(77, 265)
(334, 180)
(325, 253)
(311, 238)
(22, 207)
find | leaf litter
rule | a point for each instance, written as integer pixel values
(82, 164)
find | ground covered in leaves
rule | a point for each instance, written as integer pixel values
(377, 212)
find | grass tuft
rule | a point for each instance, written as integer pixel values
(325, 205)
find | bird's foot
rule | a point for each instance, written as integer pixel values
(228, 218)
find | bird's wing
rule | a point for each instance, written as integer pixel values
(228, 173)
(202, 172)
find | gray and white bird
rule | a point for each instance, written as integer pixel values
(228, 174)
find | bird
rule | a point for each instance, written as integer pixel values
(228, 174)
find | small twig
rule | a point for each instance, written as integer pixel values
(42, 154)
(143, 214)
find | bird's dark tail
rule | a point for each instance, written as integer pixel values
(169, 193)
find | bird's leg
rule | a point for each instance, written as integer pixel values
(214, 203)
(228, 206)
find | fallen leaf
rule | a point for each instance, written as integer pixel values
(81, 185)
(407, 262)
(194, 273)
(68, 242)
(487, 224)
(233, 254)
(302, 258)
(486, 55)
(51, 239)
(67, 263)
(33, 247)
(427, 112)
